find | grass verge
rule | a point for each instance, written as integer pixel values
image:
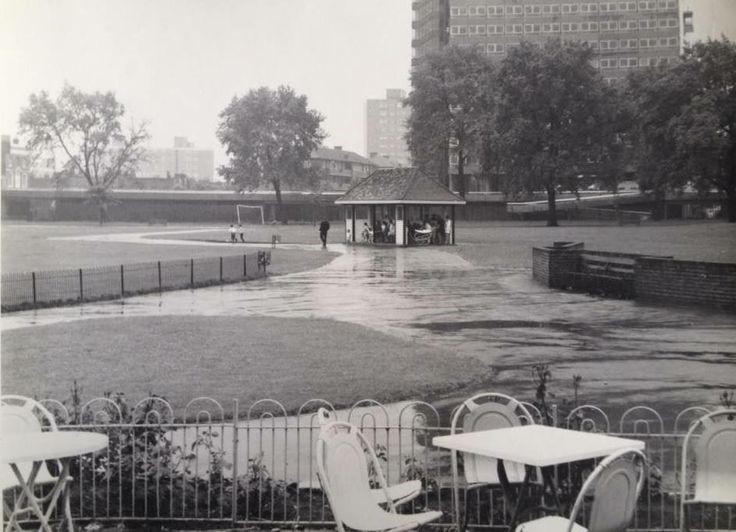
(286, 359)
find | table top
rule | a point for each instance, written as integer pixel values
(537, 445)
(29, 447)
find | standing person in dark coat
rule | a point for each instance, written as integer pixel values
(323, 228)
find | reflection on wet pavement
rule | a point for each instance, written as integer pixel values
(498, 315)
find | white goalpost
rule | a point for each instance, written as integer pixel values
(250, 219)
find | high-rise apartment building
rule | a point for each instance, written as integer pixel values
(430, 25)
(386, 127)
(624, 34)
(182, 159)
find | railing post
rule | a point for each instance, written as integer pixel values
(122, 281)
(81, 286)
(160, 287)
(220, 270)
(245, 269)
(33, 282)
(234, 501)
(191, 272)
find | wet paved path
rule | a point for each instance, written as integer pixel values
(626, 351)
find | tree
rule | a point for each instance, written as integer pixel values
(687, 127)
(551, 117)
(447, 104)
(270, 136)
(86, 128)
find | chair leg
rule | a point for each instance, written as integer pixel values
(68, 508)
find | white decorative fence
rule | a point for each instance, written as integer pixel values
(257, 466)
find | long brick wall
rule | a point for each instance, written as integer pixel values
(656, 279)
(686, 282)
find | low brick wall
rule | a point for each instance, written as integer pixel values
(551, 265)
(686, 282)
(657, 279)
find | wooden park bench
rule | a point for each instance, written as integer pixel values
(604, 273)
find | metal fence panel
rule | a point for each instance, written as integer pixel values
(57, 286)
(261, 469)
(175, 273)
(101, 283)
(17, 289)
(140, 278)
(24, 290)
(207, 270)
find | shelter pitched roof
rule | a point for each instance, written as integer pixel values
(399, 185)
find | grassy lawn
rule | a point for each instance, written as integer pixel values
(290, 360)
(510, 244)
(27, 247)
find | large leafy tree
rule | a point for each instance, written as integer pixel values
(687, 122)
(448, 101)
(552, 118)
(270, 136)
(86, 128)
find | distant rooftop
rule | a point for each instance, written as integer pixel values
(338, 154)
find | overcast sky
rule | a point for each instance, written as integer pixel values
(177, 63)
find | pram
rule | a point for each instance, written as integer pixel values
(422, 237)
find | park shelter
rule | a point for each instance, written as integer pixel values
(404, 195)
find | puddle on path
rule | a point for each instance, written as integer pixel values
(499, 315)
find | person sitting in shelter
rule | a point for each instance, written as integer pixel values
(384, 230)
(367, 233)
(377, 232)
(391, 231)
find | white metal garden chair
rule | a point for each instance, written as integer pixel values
(617, 483)
(343, 472)
(397, 493)
(21, 415)
(487, 411)
(715, 462)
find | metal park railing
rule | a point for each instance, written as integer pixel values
(256, 466)
(25, 290)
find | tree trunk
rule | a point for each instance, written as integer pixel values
(103, 212)
(277, 189)
(461, 173)
(731, 204)
(551, 206)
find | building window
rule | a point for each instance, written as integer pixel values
(532, 28)
(495, 11)
(495, 29)
(480, 11)
(533, 10)
(495, 48)
(514, 10)
(588, 26)
(513, 28)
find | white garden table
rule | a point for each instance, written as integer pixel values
(534, 446)
(18, 450)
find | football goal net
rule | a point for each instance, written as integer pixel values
(250, 214)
